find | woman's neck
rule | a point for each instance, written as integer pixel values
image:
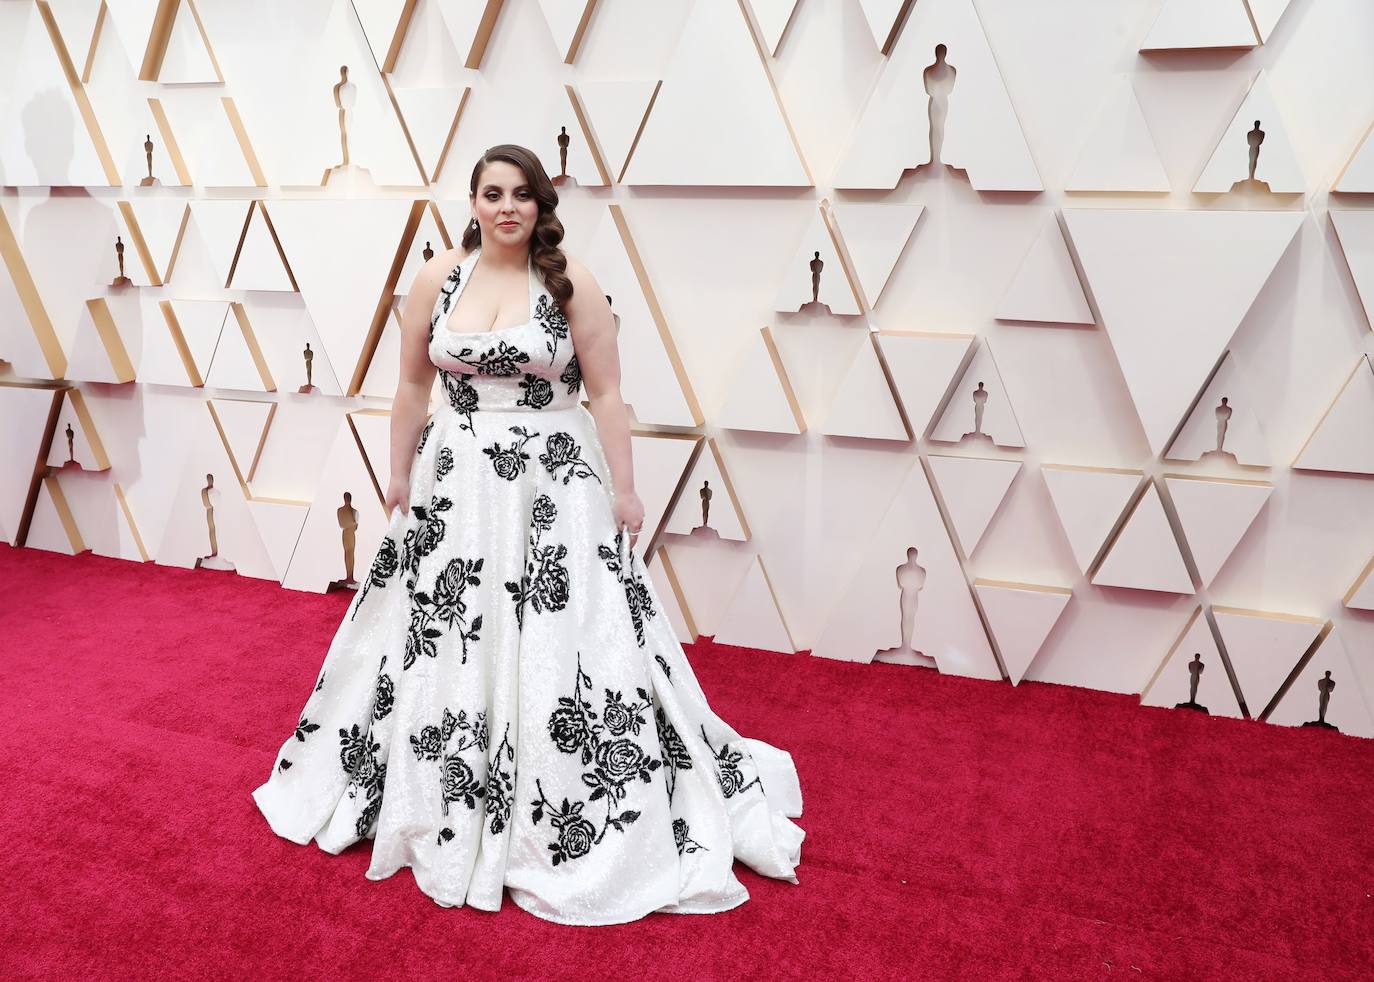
(505, 257)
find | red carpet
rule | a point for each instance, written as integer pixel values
(955, 829)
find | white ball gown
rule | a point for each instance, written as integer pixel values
(505, 704)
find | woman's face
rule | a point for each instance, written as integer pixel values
(504, 206)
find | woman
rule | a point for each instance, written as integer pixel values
(505, 705)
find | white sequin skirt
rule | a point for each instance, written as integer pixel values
(506, 706)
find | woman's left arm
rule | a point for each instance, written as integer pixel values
(598, 358)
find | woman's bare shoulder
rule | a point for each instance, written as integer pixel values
(430, 277)
(578, 272)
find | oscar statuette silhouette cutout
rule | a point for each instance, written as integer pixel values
(980, 402)
(938, 78)
(1195, 668)
(817, 264)
(348, 525)
(309, 355)
(427, 252)
(121, 279)
(150, 180)
(71, 446)
(1253, 138)
(209, 495)
(910, 577)
(345, 101)
(563, 177)
(704, 495)
(1223, 414)
(1324, 686)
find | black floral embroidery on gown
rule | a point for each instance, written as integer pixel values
(424, 436)
(685, 843)
(304, 728)
(728, 771)
(358, 753)
(500, 784)
(611, 760)
(561, 450)
(502, 359)
(434, 611)
(572, 375)
(509, 462)
(636, 593)
(445, 298)
(545, 584)
(445, 605)
(462, 397)
(674, 751)
(538, 392)
(457, 781)
(384, 566)
(423, 537)
(554, 322)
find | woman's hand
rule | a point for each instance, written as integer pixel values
(397, 494)
(629, 511)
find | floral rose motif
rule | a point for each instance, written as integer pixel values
(509, 463)
(674, 750)
(385, 697)
(572, 375)
(384, 566)
(368, 816)
(479, 731)
(731, 781)
(609, 762)
(459, 783)
(679, 833)
(620, 759)
(418, 640)
(431, 532)
(559, 448)
(350, 748)
(576, 837)
(445, 464)
(552, 589)
(727, 761)
(554, 322)
(428, 744)
(538, 392)
(367, 770)
(616, 716)
(543, 512)
(502, 359)
(462, 397)
(568, 729)
(500, 784)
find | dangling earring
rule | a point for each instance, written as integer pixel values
(474, 223)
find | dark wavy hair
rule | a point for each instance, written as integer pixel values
(548, 259)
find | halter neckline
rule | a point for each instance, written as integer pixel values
(531, 304)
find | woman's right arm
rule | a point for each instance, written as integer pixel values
(411, 403)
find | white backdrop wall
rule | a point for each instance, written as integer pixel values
(719, 207)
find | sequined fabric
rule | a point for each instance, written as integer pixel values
(505, 705)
